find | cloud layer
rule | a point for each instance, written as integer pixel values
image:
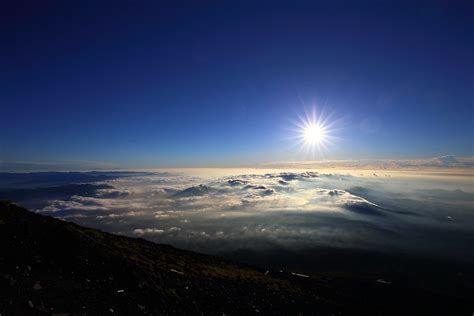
(448, 161)
(295, 210)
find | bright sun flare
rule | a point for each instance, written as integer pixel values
(314, 134)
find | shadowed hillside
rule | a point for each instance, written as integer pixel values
(52, 266)
(48, 266)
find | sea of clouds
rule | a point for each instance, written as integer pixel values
(295, 210)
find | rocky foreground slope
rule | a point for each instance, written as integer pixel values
(48, 266)
(51, 266)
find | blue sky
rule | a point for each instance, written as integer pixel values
(144, 85)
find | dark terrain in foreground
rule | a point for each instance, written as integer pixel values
(48, 266)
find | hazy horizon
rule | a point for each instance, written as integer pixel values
(447, 162)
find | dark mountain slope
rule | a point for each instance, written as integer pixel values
(50, 266)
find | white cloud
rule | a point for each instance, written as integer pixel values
(147, 231)
(288, 209)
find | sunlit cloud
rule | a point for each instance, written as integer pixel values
(287, 208)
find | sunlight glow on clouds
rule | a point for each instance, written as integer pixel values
(294, 209)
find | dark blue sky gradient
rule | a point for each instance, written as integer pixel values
(139, 84)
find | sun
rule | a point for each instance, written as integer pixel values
(314, 134)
